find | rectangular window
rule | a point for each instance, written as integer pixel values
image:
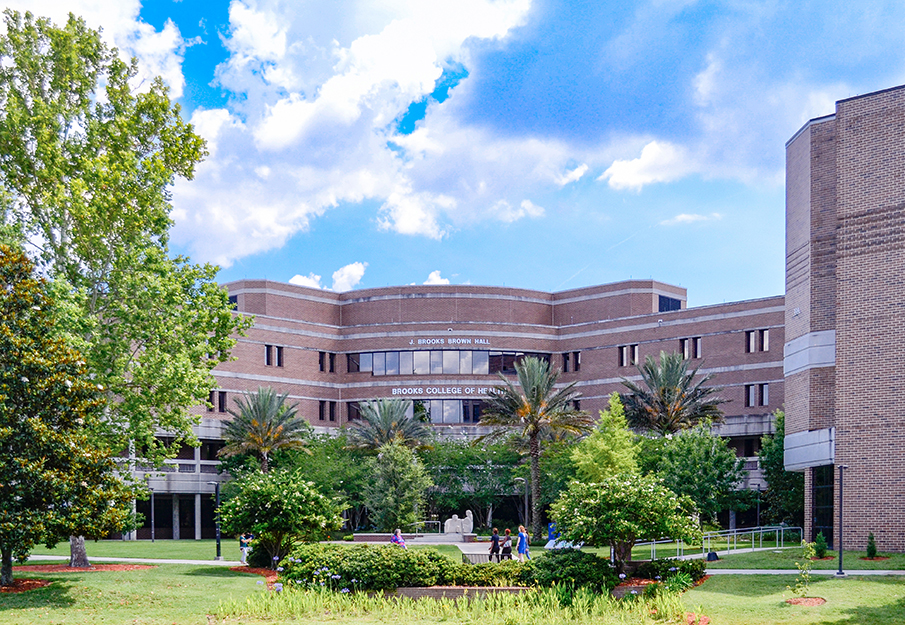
(353, 411)
(565, 362)
(322, 361)
(279, 351)
(576, 404)
(465, 360)
(697, 347)
(436, 362)
(392, 363)
(763, 340)
(211, 399)
(380, 363)
(576, 360)
(352, 363)
(480, 363)
(233, 302)
(685, 348)
(757, 341)
(367, 362)
(405, 363)
(221, 401)
(628, 355)
(268, 355)
(332, 363)
(322, 410)
(757, 395)
(333, 411)
(764, 394)
(450, 362)
(422, 362)
(668, 304)
(496, 362)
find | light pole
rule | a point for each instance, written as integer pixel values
(758, 506)
(217, 516)
(842, 467)
(521, 479)
(150, 488)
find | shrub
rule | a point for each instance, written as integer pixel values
(820, 546)
(664, 568)
(505, 573)
(571, 567)
(349, 538)
(871, 546)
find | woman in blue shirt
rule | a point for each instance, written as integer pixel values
(522, 546)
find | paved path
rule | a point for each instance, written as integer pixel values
(851, 573)
(34, 559)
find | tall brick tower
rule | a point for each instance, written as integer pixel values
(844, 357)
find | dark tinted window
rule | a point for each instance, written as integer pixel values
(669, 303)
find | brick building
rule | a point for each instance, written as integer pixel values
(845, 272)
(445, 345)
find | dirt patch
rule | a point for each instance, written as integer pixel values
(65, 568)
(806, 601)
(696, 619)
(269, 575)
(877, 558)
(25, 584)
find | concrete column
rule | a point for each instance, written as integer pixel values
(175, 517)
(197, 516)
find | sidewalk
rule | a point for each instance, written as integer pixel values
(852, 573)
(34, 559)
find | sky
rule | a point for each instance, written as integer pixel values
(541, 144)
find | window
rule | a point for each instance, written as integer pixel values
(221, 401)
(690, 348)
(757, 341)
(576, 404)
(757, 395)
(273, 355)
(628, 355)
(233, 302)
(211, 399)
(321, 361)
(668, 304)
(333, 411)
(332, 362)
(353, 411)
(352, 363)
(471, 410)
(321, 410)
(565, 362)
(576, 360)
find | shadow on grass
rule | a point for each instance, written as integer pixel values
(54, 596)
(890, 614)
(215, 571)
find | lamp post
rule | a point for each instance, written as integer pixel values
(842, 467)
(150, 488)
(758, 506)
(217, 516)
(521, 479)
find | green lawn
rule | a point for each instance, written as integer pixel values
(172, 593)
(786, 559)
(760, 599)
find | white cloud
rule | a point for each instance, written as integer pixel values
(686, 218)
(659, 162)
(345, 278)
(311, 280)
(571, 176)
(434, 278)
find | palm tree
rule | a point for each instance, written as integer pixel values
(533, 410)
(263, 424)
(669, 400)
(385, 421)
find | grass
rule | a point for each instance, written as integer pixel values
(759, 599)
(183, 549)
(163, 595)
(786, 559)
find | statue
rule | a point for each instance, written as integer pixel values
(455, 525)
(467, 523)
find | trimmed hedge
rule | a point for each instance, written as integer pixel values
(573, 568)
(665, 568)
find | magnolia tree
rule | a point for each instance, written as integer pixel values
(279, 508)
(620, 510)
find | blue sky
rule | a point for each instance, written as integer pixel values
(539, 144)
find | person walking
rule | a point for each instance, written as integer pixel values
(397, 539)
(522, 546)
(507, 545)
(245, 546)
(495, 545)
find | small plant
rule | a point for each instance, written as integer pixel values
(667, 567)
(871, 547)
(678, 583)
(803, 581)
(820, 546)
(349, 538)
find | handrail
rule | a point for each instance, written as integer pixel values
(756, 534)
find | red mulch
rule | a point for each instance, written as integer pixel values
(825, 558)
(695, 619)
(877, 558)
(270, 576)
(24, 584)
(806, 601)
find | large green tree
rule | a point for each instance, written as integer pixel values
(262, 424)
(86, 168)
(395, 494)
(55, 478)
(669, 399)
(534, 407)
(622, 510)
(699, 464)
(609, 449)
(784, 499)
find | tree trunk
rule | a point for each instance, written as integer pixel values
(265, 463)
(623, 553)
(535, 488)
(6, 566)
(78, 557)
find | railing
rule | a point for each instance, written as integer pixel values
(742, 538)
(418, 524)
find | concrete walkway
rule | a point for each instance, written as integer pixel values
(34, 559)
(851, 573)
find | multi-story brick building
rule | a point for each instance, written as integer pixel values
(845, 319)
(444, 346)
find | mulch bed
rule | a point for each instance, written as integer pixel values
(825, 558)
(877, 558)
(269, 575)
(806, 601)
(24, 584)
